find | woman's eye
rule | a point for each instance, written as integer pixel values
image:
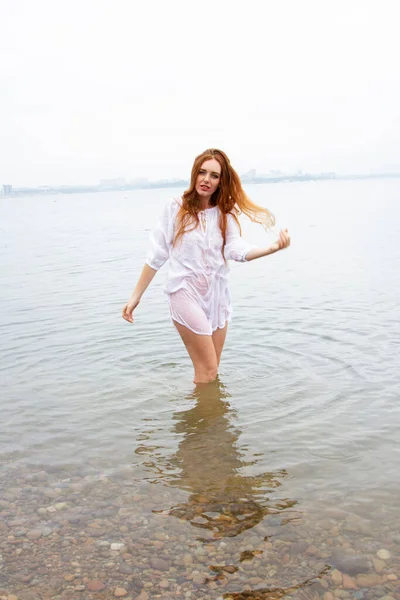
(215, 176)
(201, 172)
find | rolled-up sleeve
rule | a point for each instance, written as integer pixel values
(236, 247)
(161, 237)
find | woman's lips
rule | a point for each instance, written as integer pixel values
(204, 187)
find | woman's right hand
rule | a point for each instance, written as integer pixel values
(129, 308)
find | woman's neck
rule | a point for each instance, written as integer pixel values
(205, 203)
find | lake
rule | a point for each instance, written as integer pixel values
(279, 480)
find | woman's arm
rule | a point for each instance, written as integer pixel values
(160, 248)
(143, 283)
(280, 244)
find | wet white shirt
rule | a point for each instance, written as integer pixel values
(196, 263)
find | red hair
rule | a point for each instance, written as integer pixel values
(229, 197)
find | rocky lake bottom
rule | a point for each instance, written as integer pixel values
(69, 535)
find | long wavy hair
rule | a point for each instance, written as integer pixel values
(229, 197)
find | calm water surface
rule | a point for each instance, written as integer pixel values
(304, 419)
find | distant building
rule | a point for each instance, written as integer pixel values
(7, 190)
(249, 176)
(139, 181)
(113, 183)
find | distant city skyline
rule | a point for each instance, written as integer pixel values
(121, 181)
(125, 179)
(121, 184)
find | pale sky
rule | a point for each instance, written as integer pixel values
(93, 89)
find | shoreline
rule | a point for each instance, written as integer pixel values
(184, 183)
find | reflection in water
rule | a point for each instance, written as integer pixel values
(209, 465)
(223, 501)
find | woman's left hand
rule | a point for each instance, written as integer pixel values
(280, 244)
(283, 241)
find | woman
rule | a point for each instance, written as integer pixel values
(199, 233)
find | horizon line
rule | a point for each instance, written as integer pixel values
(174, 182)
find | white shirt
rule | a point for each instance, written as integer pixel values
(196, 260)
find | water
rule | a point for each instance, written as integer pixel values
(304, 420)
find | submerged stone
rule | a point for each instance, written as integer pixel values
(352, 564)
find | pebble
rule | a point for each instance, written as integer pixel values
(20, 533)
(120, 592)
(198, 579)
(95, 585)
(349, 563)
(117, 546)
(298, 548)
(379, 565)
(34, 534)
(383, 554)
(336, 577)
(159, 564)
(356, 524)
(367, 581)
(125, 569)
(188, 559)
(348, 582)
(97, 532)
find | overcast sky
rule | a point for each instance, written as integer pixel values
(95, 89)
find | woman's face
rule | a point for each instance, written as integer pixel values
(208, 178)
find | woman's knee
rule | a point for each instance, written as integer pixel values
(206, 375)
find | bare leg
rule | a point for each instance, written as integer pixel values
(218, 338)
(202, 352)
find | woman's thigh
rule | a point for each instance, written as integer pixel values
(203, 345)
(201, 350)
(186, 311)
